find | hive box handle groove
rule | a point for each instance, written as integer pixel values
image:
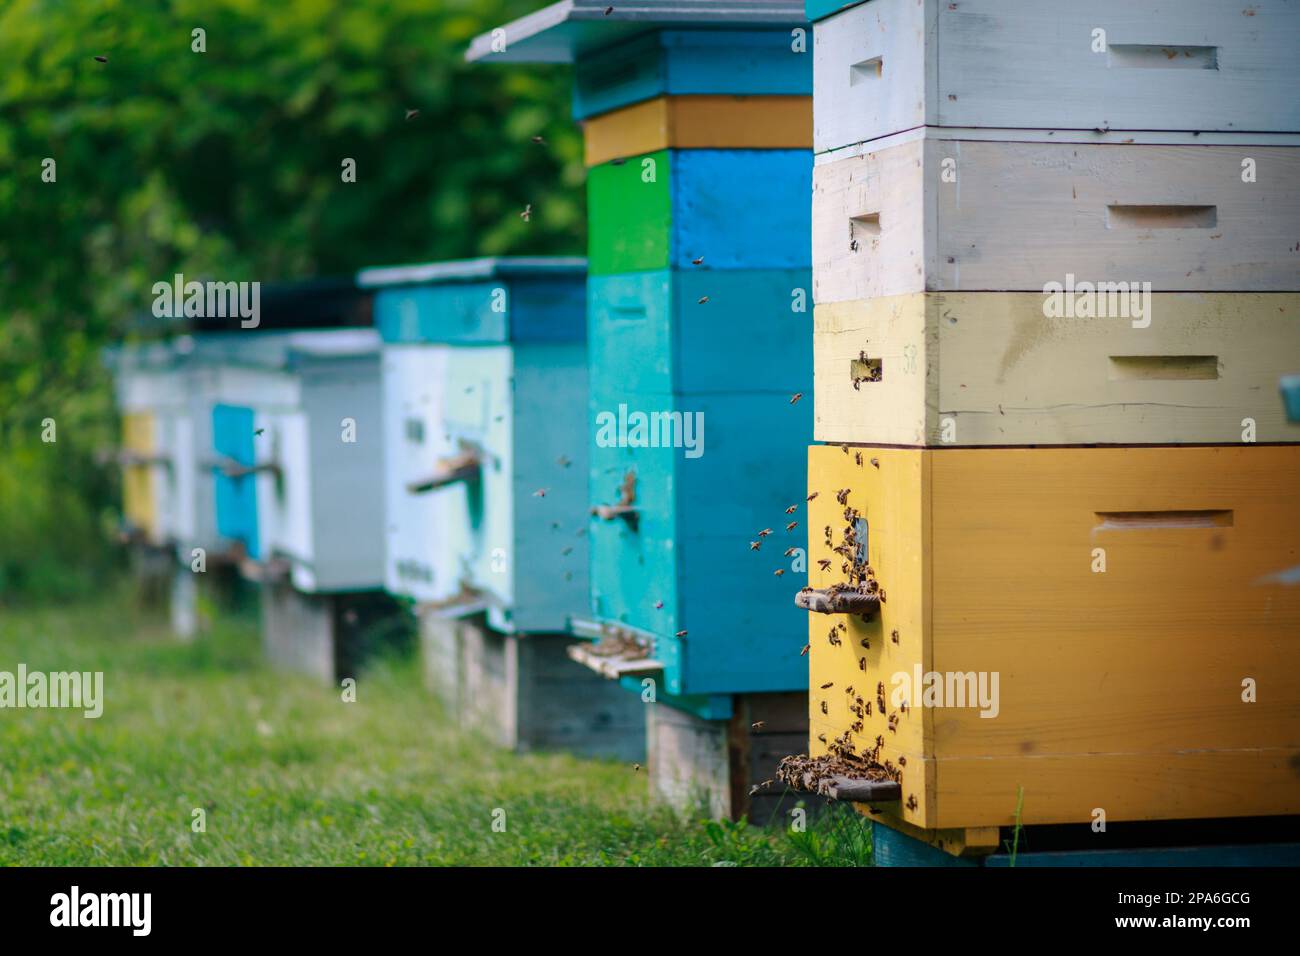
(1144, 56)
(1164, 367)
(1139, 520)
(1161, 217)
(866, 71)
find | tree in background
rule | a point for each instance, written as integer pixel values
(227, 164)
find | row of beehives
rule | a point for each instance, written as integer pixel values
(1052, 224)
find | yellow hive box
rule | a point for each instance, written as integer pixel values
(1074, 368)
(139, 490)
(1127, 600)
(699, 122)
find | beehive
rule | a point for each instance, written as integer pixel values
(486, 377)
(997, 187)
(697, 131)
(1122, 595)
(296, 431)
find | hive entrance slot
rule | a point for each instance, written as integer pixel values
(863, 369)
(865, 224)
(866, 71)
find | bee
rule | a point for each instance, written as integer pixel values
(680, 634)
(567, 551)
(828, 685)
(539, 493)
(617, 162)
(608, 11)
(104, 59)
(824, 564)
(824, 710)
(857, 458)
(765, 532)
(788, 552)
(856, 726)
(842, 496)
(893, 635)
(636, 767)
(563, 461)
(792, 509)
(875, 463)
(260, 431)
(703, 299)
(822, 738)
(880, 696)
(791, 526)
(539, 140)
(527, 214)
(659, 605)
(757, 725)
(902, 761)
(893, 723)
(862, 663)
(845, 449)
(795, 397)
(867, 707)
(853, 245)
(849, 690)
(911, 801)
(902, 708)
(755, 545)
(812, 496)
(698, 260)
(804, 652)
(865, 643)
(778, 572)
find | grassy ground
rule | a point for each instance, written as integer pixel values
(289, 774)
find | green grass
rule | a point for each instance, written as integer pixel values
(289, 774)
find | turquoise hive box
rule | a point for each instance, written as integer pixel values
(485, 370)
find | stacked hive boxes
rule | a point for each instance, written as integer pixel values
(296, 433)
(485, 392)
(697, 130)
(1040, 226)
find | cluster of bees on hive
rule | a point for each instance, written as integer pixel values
(843, 757)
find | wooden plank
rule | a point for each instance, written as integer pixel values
(612, 668)
(989, 368)
(892, 65)
(699, 122)
(1178, 217)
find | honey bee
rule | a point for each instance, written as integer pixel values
(812, 496)
(659, 605)
(862, 663)
(902, 761)
(824, 565)
(822, 738)
(842, 496)
(824, 710)
(911, 801)
(893, 635)
(703, 299)
(788, 552)
(857, 458)
(795, 397)
(636, 767)
(849, 690)
(804, 652)
(893, 723)
(567, 551)
(791, 526)
(845, 449)
(765, 532)
(527, 214)
(539, 493)
(757, 725)
(867, 644)
(698, 260)
(755, 545)
(875, 463)
(778, 572)
(792, 509)
(828, 685)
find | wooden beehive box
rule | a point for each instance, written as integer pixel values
(1017, 216)
(1130, 600)
(298, 436)
(151, 388)
(990, 368)
(486, 365)
(891, 65)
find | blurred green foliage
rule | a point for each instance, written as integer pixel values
(226, 164)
